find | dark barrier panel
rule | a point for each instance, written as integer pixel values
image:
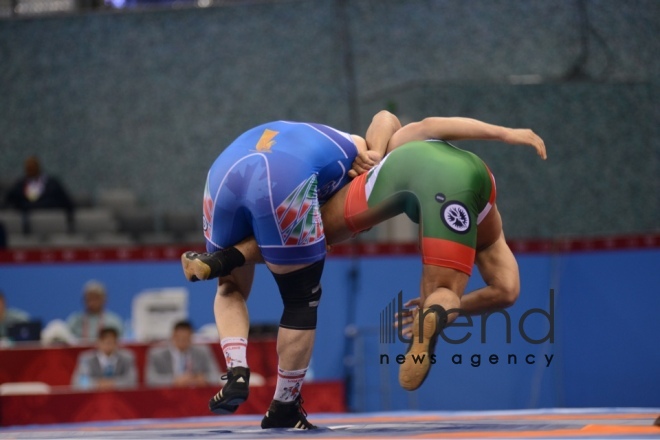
(148, 100)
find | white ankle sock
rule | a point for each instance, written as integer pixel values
(289, 384)
(234, 350)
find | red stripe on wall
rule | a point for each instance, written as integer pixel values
(355, 248)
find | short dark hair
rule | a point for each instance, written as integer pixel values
(185, 324)
(105, 331)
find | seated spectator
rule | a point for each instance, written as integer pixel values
(37, 190)
(180, 363)
(9, 317)
(107, 366)
(85, 325)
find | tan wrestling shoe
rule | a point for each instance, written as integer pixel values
(414, 370)
(198, 266)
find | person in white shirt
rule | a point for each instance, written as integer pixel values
(85, 324)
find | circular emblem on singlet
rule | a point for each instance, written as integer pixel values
(456, 217)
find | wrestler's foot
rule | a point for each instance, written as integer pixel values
(414, 370)
(206, 265)
(286, 415)
(201, 266)
(235, 391)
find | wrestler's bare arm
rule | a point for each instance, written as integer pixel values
(457, 128)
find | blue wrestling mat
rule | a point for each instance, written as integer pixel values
(602, 423)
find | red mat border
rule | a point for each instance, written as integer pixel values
(357, 249)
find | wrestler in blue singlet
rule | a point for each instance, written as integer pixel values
(270, 183)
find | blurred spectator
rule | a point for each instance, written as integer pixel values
(86, 325)
(37, 190)
(180, 363)
(9, 317)
(107, 366)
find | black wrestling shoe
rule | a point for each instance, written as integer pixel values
(286, 415)
(415, 369)
(235, 391)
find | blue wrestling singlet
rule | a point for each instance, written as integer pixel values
(270, 183)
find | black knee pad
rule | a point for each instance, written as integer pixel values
(301, 293)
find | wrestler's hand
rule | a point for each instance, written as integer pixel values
(412, 308)
(364, 161)
(525, 136)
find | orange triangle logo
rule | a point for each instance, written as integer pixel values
(267, 141)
